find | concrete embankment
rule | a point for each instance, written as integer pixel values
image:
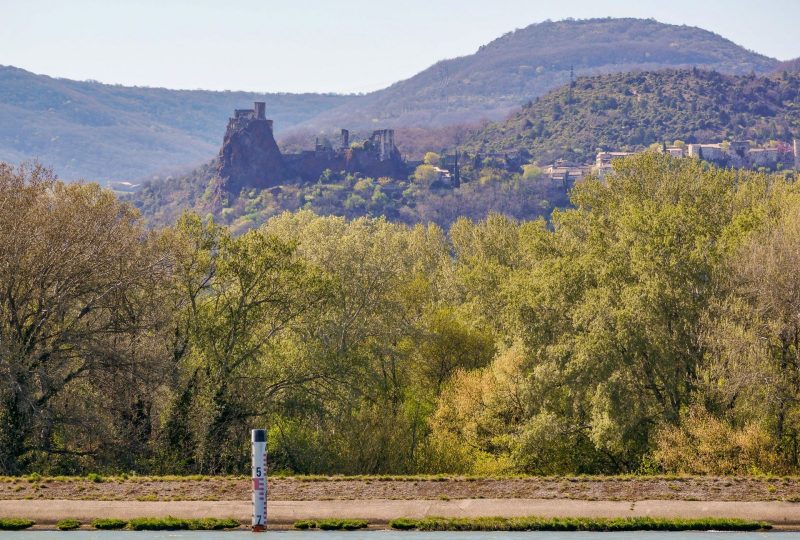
(380, 511)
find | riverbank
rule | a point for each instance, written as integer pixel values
(282, 514)
(315, 488)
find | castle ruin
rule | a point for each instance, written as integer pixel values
(250, 157)
(796, 150)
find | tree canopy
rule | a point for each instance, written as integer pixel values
(650, 327)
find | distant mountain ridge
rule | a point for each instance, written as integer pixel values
(526, 63)
(100, 132)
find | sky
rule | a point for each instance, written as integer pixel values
(322, 45)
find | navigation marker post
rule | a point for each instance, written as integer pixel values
(258, 438)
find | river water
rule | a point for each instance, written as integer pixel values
(390, 535)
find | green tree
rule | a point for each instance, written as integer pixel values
(426, 174)
(81, 301)
(614, 314)
(244, 295)
(432, 158)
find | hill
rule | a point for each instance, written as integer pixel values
(632, 110)
(100, 132)
(788, 65)
(504, 74)
(626, 111)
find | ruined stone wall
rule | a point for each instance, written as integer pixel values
(796, 151)
(308, 166)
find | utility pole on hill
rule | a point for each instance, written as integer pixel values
(571, 85)
(456, 174)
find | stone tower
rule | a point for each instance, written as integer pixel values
(260, 110)
(383, 139)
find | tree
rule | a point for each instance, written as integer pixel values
(426, 174)
(364, 330)
(614, 314)
(81, 301)
(752, 377)
(531, 172)
(431, 158)
(243, 295)
(479, 414)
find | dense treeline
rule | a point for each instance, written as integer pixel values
(652, 327)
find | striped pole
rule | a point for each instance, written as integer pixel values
(258, 522)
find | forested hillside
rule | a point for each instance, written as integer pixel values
(483, 190)
(100, 132)
(629, 111)
(528, 62)
(652, 328)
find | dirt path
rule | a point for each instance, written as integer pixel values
(380, 511)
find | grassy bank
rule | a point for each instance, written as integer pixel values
(139, 524)
(576, 524)
(177, 524)
(331, 524)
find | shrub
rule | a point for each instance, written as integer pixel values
(704, 444)
(341, 524)
(576, 524)
(304, 524)
(175, 524)
(14, 524)
(94, 477)
(68, 524)
(109, 524)
(403, 524)
(213, 524)
(158, 524)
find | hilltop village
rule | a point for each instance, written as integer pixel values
(735, 154)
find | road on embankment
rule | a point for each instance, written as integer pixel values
(380, 511)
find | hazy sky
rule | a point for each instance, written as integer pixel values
(322, 45)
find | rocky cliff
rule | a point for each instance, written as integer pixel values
(250, 157)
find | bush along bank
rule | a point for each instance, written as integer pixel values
(14, 524)
(332, 524)
(175, 524)
(576, 524)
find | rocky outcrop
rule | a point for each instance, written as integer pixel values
(250, 157)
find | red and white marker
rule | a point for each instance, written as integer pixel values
(259, 475)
